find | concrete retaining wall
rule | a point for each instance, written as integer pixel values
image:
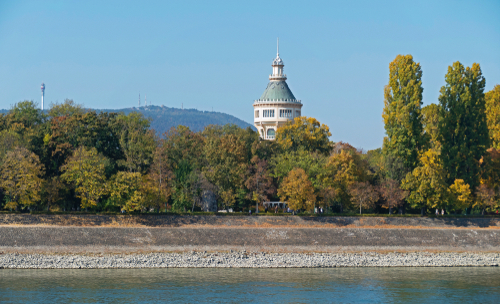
(106, 239)
(241, 221)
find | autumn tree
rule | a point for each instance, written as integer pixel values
(259, 182)
(85, 170)
(463, 131)
(486, 198)
(20, 177)
(125, 190)
(67, 108)
(306, 133)
(460, 196)
(297, 190)
(52, 189)
(426, 183)
(363, 195)
(345, 167)
(161, 175)
(392, 195)
(402, 111)
(492, 105)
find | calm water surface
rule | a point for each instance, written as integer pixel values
(340, 285)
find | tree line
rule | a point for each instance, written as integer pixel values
(443, 155)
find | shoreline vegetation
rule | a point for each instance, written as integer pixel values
(441, 159)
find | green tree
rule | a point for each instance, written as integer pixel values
(430, 119)
(493, 115)
(426, 183)
(85, 170)
(67, 108)
(463, 131)
(297, 190)
(259, 182)
(304, 133)
(20, 177)
(402, 111)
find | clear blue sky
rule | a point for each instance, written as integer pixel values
(218, 54)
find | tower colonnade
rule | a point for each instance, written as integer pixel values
(277, 105)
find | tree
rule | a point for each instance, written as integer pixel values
(345, 167)
(52, 191)
(226, 166)
(485, 198)
(492, 105)
(125, 190)
(67, 108)
(430, 120)
(402, 111)
(363, 195)
(85, 170)
(161, 176)
(426, 183)
(463, 131)
(20, 175)
(297, 190)
(392, 194)
(306, 133)
(136, 142)
(259, 182)
(460, 197)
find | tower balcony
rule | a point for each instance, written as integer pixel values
(277, 77)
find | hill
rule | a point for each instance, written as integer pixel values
(164, 118)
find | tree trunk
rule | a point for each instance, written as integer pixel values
(401, 208)
(482, 212)
(256, 207)
(390, 210)
(359, 208)
(422, 211)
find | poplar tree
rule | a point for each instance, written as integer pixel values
(463, 131)
(493, 115)
(402, 111)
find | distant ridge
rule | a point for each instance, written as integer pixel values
(164, 118)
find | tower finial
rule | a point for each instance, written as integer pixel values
(278, 47)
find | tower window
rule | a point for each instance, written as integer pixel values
(298, 113)
(257, 114)
(271, 133)
(286, 113)
(267, 113)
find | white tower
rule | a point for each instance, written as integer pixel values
(43, 93)
(277, 105)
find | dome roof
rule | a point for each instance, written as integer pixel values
(277, 90)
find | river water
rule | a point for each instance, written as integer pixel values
(318, 285)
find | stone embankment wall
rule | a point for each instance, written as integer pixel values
(243, 221)
(110, 240)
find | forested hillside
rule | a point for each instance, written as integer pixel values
(164, 118)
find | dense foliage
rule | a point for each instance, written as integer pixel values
(442, 156)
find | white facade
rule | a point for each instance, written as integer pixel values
(277, 105)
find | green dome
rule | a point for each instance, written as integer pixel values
(277, 90)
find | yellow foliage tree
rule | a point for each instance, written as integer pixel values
(493, 115)
(297, 190)
(460, 196)
(20, 177)
(85, 170)
(426, 183)
(345, 167)
(125, 190)
(304, 132)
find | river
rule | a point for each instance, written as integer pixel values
(317, 285)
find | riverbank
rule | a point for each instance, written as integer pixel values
(245, 259)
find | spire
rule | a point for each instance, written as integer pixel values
(278, 52)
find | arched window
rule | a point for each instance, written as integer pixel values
(270, 133)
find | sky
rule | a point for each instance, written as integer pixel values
(217, 54)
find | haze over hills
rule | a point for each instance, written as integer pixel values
(164, 118)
